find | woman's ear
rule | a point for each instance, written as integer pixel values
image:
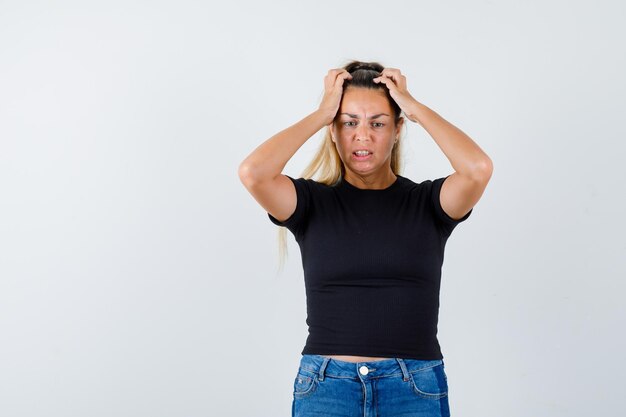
(399, 126)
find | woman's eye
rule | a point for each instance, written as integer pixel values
(375, 124)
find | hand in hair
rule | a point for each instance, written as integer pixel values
(333, 90)
(396, 83)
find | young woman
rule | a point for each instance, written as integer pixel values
(372, 244)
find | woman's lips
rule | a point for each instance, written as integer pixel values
(361, 158)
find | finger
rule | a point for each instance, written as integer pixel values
(341, 77)
(395, 75)
(385, 77)
(388, 70)
(387, 81)
(331, 78)
(334, 73)
(399, 80)
(390, 76)
(392, 73)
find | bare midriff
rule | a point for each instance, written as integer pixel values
(349, 358)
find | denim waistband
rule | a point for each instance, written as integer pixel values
(324, 366)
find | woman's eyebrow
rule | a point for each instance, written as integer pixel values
(371, 117)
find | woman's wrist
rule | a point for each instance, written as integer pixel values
(415, 112)
(326, 116)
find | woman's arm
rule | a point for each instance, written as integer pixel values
(261, 171)
(473, 168)
(465, 156)
(268, 160)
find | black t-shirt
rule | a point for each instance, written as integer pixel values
(372, 266)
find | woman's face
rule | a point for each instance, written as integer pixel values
(365, 121)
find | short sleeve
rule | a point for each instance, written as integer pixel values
(439, 212)
(295, 222)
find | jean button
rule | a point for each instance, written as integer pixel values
(363, 370)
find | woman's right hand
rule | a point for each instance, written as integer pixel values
(333, 90)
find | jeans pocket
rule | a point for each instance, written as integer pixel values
(305, 383)
(431, 382)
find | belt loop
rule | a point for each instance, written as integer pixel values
(405, 372)
(323, 368)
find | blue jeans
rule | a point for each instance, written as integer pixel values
(384, 388)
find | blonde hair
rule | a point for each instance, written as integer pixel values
(326, 162)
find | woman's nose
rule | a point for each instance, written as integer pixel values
(362, 131)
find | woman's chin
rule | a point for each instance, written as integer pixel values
(362, 168)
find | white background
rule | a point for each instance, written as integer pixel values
(138, 277)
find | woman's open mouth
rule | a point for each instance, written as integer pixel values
(361, 155)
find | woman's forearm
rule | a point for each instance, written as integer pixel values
(465, 156)
(269, 159)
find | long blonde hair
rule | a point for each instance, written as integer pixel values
(327, 163)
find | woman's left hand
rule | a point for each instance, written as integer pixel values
(396, 83)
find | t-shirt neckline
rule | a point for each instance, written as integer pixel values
(346, 184)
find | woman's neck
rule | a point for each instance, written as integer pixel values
(371, 182)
